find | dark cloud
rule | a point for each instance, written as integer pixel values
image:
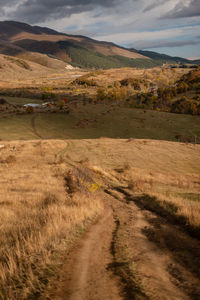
(153, 5)
(184, 11)
(163, 44)
(38, 11)
(4, 3)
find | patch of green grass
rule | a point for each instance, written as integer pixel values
(94, 121)
(198, 133)
(21, 101)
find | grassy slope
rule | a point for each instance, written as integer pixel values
(21, 101)
(39, 220)
(94, 121)
(163, 57)
(87, 58)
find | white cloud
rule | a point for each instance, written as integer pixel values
(129, 37)
(124, 22)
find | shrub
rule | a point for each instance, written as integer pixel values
(10, 159)
(3, 101)
(135, 83)
(101, 94)
(29, 109)
(85, 82)
(60, 104)
(185, 106)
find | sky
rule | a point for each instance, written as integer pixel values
(165, 26)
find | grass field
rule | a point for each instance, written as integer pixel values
(21, 101)
(94, 121)
(43, 209)
(38, 216)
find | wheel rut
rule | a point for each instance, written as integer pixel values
(86, 274)
(126, 255)
(33, 125)
(165, 257)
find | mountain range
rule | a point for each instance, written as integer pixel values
(25, 41)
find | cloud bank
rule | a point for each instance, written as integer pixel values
(172, 25)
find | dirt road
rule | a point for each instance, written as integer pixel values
(85, 275)
(131, 253)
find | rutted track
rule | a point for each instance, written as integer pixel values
(85, 275)
(128, 254)
(33, 125)
(165, 257)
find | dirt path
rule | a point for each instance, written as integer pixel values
(33, 125)
(165, 258)
(85, 275)
(161, 258)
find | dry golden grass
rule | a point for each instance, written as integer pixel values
(187, 208)
(50, 191)
(174, 189)
(157, 75)
(43, 71)
(167, 170)
(58, 78)
(38, 217)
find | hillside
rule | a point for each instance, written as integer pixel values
(132, 203)
(17, 38)
(163, 58)
(34, 66)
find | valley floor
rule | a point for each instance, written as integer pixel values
(92, 121)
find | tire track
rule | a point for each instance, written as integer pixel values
(86, 274)
(33, 119)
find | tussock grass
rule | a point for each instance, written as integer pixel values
(171, 191)
(50, 191)
(39, 219)
(165, 169)
(186, 208)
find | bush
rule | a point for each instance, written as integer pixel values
(185, 106)
(85, 82)
(101, 95)
(3, 101)
(60, 104)
(10, 159)
(29, 109)
(135, 83)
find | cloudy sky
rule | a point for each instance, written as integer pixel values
(165, 26)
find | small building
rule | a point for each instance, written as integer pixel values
(32, 105)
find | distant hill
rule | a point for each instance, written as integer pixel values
(19, 39)
(196, 61)
(163, 57)
(37, 66)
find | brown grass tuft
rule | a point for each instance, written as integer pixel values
(170, 190)
(38, 219)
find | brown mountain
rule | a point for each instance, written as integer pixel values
(27, 36)
(17, 38)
